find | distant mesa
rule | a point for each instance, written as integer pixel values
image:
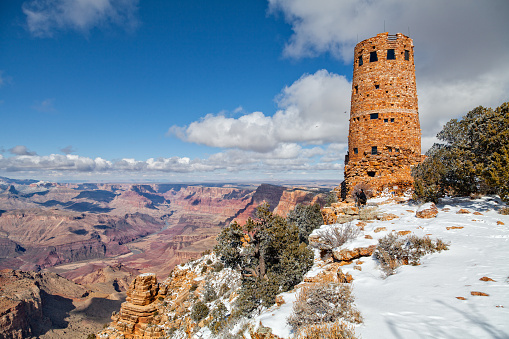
(97, 195)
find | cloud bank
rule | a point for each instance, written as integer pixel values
(311, 112)
(45, 17)
(288, 158)
(460, 46)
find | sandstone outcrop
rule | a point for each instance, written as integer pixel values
(331, 214)
(427, 211)
(331, 273)
(28, 301)
(349, 255)
(134, 320)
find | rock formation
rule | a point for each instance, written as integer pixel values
(138, 311)
(29, 302)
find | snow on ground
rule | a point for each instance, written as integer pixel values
(421, 301)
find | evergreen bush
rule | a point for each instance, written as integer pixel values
(472, 158)
(219, 319)
(199, 311)
(306, 218)
(267, 252)
(209, 294)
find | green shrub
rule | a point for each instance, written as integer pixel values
(306, 218)
(268, 254)
(193, 287)
(331, 198)
(209, 294)
(218, 316)
(218, 267)
(504, 211)
(472, 158)
(199, 311)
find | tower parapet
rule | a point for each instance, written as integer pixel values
(384, 140)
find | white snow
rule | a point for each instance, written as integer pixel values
(420, 301)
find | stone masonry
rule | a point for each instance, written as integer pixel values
(384, 140)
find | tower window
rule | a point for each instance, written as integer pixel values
(373, 116)
(374, 150)
(356, 89)
(355, 151)
(392, 119)
(386, 120)
(389, 149)
(377, 86)
(390, 54)
(360, 60)
(373, 57)
(407, 54)
(371, 174)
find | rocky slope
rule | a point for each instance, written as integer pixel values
(456, 292)
(101, 236)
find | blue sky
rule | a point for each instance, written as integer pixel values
(200, 90)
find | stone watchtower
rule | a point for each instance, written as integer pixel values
(384, 139)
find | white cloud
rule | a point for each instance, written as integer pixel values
(460, 46)
(287, 159)
(44, 17)
(312, 111)
(21, 150)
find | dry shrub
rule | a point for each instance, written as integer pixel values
(335, 330)
(336, 236)
(393, 251)
(323, 303)
(199, 311)
(368, 213)
(504, 211)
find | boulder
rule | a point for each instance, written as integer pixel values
(349, 255)
(427, 211)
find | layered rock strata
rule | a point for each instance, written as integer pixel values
(138, 311)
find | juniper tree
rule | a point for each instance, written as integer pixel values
(472, 157)
(306, 218)
(267, 252)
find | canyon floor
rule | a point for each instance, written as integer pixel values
(101, 236)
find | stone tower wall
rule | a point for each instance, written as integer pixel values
(384, 139)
